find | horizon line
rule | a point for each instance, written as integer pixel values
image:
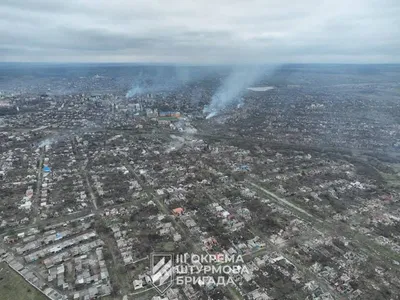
(194, 64)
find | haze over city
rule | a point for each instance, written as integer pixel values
(199, 150)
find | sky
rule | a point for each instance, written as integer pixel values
(200, 31)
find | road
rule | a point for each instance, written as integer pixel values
(178, 225)
(36, 196)
(161, 205)
(329, 227)
(92, 195)
(284, 201)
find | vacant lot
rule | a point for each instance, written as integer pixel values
(14, 287)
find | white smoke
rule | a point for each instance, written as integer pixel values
(134, 91)
(233, 87)
(87, 126)
(187, 136)
(47, 142)
(211, 114)
(176, 143)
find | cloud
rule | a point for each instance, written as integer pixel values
(200, 32)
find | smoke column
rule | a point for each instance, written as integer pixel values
(47, 142)
(233, 87)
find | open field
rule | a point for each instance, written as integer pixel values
(14, 287)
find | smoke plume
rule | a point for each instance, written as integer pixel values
(233, 87)
(47, 142)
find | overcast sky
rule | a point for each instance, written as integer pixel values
(201, 31)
